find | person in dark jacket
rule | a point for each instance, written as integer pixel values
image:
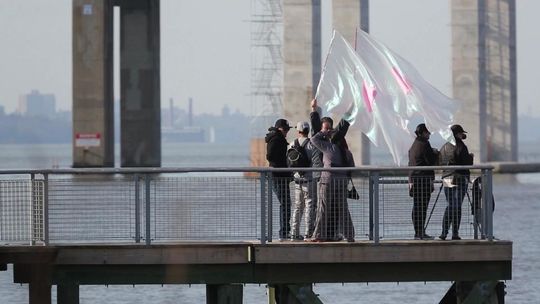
(421, 181)
(455, 181)
(276, 154)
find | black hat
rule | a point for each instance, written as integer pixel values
(327, 119)
(421, 128)
(456, 129)
(282, 123)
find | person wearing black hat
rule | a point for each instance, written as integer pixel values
(455, 181)
(276, 154)
(421, 181)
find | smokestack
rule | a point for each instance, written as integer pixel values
(171, 110)
(190, 112)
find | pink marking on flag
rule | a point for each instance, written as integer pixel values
(401, 80)
(368, 94)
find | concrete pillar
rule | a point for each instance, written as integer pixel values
(484, 76)
(140, 83)
(224, 294)
(93, 137)
(347, 15)
(301, 57)
(67, 294)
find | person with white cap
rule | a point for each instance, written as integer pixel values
(304, 186)
(455, 181)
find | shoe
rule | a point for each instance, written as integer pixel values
(427, 237)
(350, 240)
(417, 237)
(455, 238)
(316, 240)
(297, 238)
(442, 236)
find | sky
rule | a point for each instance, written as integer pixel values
(206, 54)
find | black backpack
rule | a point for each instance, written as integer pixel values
(297, 155)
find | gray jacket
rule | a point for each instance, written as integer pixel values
(332, 156)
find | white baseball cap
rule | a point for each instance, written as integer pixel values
(302, 126)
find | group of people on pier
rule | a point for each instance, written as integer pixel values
(320, 197)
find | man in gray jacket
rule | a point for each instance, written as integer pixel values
(332, 209)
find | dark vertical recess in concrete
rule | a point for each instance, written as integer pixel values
(140, 83)
(513, 79)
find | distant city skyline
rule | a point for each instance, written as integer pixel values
(205, 54)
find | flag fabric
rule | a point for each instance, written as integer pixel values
(347, 89)
(378, 92)
(411, 94)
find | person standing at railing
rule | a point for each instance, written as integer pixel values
(332, 207)
(455, 182)
(276, 154)
(421, 181)
(300, 154)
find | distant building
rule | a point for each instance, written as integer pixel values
(37, 104)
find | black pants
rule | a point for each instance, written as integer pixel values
(283, 193)
(421, 190)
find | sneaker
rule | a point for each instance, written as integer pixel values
(442, 236)
(350, 240)
(297, 238)
(455, 238)
(417, 237)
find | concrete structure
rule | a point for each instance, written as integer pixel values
(93, 107)
(484, 76)
(37, 104)
(289, 267)
(348, 15)
(301, 57)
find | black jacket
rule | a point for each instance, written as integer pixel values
(457, 155)
(276, 150)
(421, 154)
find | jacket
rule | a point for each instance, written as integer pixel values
(457, 155)
(276, 151)
(316, 126)
(421, 154)
(332, 154)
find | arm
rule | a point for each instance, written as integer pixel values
(319, 141)
(341, 130)
(315, 118)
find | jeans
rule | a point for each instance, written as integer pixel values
(305, 200)
(452, 214)
(283, 192)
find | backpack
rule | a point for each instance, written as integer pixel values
(297, 155)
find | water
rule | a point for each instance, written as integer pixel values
(516, 218)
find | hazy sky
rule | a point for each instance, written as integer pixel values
(206, 52)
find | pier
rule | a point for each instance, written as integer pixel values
(158, 226)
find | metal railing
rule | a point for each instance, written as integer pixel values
(150, 205)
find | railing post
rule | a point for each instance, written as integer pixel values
(137, 209)
(370, 206)
(375, 210)
(262, 178)
(147, 205)
(488, 186)
(46, 209)
(270, 207)
(33, 211)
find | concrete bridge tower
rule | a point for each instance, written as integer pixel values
(484, 76)
(139, 83)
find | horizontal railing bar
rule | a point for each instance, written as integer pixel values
(381, 169)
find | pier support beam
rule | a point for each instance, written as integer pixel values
(140, 84)
(39, 289)
(224, 294)
(295, 294)
(471, 292)
(67, 294)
